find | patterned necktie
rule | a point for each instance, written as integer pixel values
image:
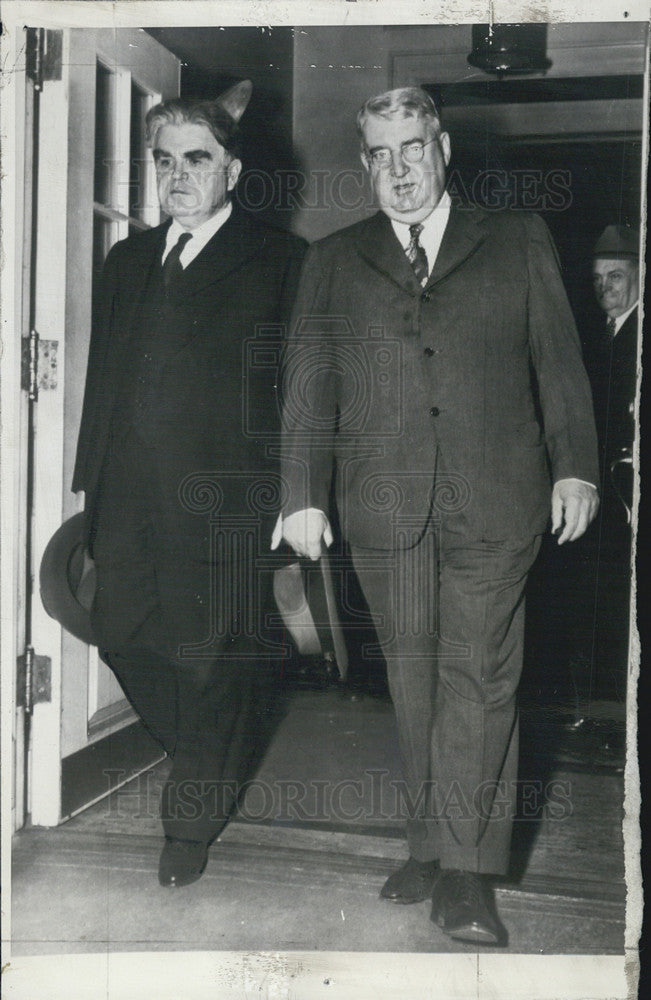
(172, 268)
(611, 326)
(416, 255)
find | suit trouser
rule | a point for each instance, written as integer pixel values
(206, 713)
(211, 734)
(611, 596)
(450, 620)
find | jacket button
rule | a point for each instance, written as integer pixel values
(426, 297)
(429, 351)
(434, 411)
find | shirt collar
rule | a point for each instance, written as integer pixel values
(435, 222)
(620, 320)
(202, 234)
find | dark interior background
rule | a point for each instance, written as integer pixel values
(602, 186)
(213, 59)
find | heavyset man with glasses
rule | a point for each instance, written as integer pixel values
(173, 456)
(423, 340)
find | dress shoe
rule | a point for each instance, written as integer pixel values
(413, 882)
(463, 908)
(316, 673)
(182, 862)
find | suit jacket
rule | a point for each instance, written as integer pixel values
(216, 412)
(239, 290)
(430, 398)
(612, 366)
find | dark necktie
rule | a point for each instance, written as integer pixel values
(611, 326)
(172, 268)
(416, 255)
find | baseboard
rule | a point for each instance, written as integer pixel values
(97, 770)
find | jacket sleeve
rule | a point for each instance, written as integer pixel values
(101, 331)
(563, 386)
(291, 277)
(309, 392)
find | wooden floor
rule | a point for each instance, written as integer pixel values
(292, 874)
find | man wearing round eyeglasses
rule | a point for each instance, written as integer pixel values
(415, 337)
(407, 165)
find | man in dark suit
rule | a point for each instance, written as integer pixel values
(612, 364)
(615, 273)
(175, 457)
(415, 337)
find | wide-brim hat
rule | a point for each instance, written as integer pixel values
(234, 101)
(618, 242)
(68, 580)
(305, 598)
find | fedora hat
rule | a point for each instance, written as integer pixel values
(305, 598)
(235, 99)
(618, 242)
(67, 579)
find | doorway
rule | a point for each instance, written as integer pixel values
(88, 182)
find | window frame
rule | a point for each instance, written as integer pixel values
(116, 210)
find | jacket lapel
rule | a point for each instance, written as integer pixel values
(380, 247)
(378, 244)
(135, 280)
(463, 234)
(237, 241)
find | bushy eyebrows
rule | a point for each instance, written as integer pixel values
(189, 154)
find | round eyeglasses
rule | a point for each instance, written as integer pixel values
(411, 152)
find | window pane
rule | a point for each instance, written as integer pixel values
(103, 135)
(102, 241)
(137, 152)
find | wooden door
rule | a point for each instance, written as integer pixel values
(95, 186)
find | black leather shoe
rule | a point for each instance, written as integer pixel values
(462, 906)
(182, 862)
(316, 673)
(413, 883)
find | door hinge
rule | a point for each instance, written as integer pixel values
(34, 679)
(39, 364)
(43, 55)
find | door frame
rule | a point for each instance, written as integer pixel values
(13, 123)
(62, 274)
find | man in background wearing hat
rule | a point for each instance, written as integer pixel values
(616, 277)
(174, 457)
(612, 363)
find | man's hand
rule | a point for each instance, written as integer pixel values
(303, 530)
(575, 503)
(80, 501)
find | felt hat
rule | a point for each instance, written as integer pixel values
(67, 579)
(618, 242)
(305, 598)
(235, 99)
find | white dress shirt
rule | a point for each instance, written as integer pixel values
(433, 228)
(200, 236)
